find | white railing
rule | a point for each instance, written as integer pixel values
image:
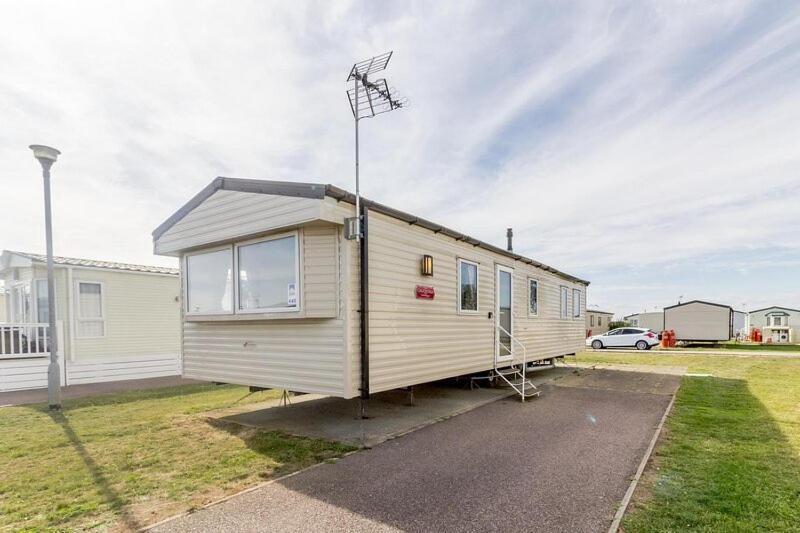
(510, 350)
(24, 340)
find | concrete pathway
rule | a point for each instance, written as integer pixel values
(559, 463)
(389, 413)
(22, 397)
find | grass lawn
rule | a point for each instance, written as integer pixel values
(746, 346)
(729, 459)
(125, 460)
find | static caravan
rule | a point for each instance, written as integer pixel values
(276, 295)
(777, 324)
(114, 321)
(597, 322)
(699, 321)
(653, 320)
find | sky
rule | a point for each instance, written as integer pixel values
(652, 148)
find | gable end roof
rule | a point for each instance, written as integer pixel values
(319, 191)
(776, 307)
(698, 302)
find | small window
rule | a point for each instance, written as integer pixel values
(268, 275)
(591, 320)
(599, 321)
(533, 297)
(467, 286)
(576, 303)
(209, 285)
(564, 295)
(91, 315)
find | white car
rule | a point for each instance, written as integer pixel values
(639, 338)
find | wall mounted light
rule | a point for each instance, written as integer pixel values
(427, 265)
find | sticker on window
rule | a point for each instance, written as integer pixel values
(291, 294)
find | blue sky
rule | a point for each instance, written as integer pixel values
(651, 147)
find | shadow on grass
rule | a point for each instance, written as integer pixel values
(101, 482)
(289, 452)
(723, 464)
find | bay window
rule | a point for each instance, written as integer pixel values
(267, 275)
(260, 276)
(209, 278)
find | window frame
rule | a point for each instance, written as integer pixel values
(477, 266)
(77, 308)
(563, 302)
(297, 271)
(538, 296)
(580, 307)
(185, 281)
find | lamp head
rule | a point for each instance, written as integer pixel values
(45, 154)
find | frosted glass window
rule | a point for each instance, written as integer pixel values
(268, 275)
(467, 286)
(564, 296)
(533, 297)
(576, 303)
(209, 282)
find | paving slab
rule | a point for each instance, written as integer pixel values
(562, 462)
(29, 396)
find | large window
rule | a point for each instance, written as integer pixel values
(576, 303)
(252, 277)
(268, 272)
(564, 295)
(209, 287)
(467, 286)
(533, 297)
(91, 313)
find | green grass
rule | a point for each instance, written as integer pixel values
(125, 460)
(729, 459)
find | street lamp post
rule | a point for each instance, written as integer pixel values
(47, 156)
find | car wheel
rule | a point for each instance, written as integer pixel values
(597, 345)
(641, 345)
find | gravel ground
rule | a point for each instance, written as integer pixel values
(559, 463)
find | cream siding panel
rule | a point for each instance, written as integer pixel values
(142, 314)
(2, 307)
(228, 215)
(303, 355)
(416, 341)
(698, 321)
(321, 271)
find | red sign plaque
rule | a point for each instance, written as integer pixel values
(424, 292)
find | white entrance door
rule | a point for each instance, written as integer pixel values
(504, 308)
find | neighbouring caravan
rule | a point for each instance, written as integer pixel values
(114, 321)
(699, 321)
(777, 324)
(272, 294)
(597, 322)
(653, 320)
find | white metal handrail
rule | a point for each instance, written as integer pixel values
(24, 340)
(511, 351)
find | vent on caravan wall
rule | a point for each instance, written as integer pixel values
(510, 235)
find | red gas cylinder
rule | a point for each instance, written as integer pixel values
(672, 338)
(665, 339)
